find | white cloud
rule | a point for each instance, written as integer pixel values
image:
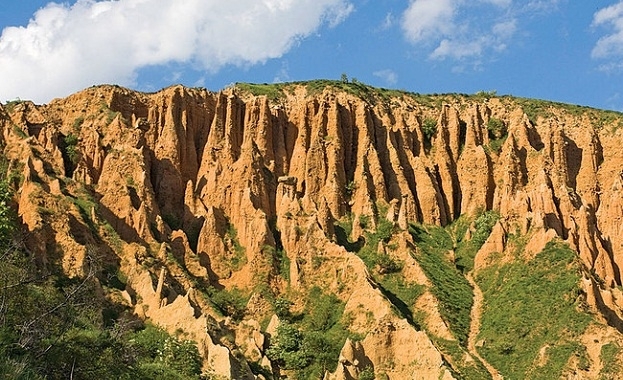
(541, 5)
(610, 45)
(65, 48)
(428, 18)
(461, 29)
(389, 76)
(283, 75)
(388, 22)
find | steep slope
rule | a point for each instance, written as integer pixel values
(228, 210)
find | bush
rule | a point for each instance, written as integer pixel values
(465, 251)
(286, 349)
(496, 128)
(230, 302)
(386, 264)
(71, 148)
(429, 129)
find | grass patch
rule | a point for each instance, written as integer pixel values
(449, 286)
(272, 91)
(529, 306)
(610, 361)
(239, 257)
(462, 369)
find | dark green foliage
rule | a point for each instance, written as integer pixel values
(322, 310)
(387, 264)
(282, 308)
(280, 259)
(7, 214)
(497, 133)
(496, 128)
(469, 369)
(71, 147)
(367, 374)
(78, 123)
(449, 286)
(368, 252)
(530, 305)
(53, 327)
(162, 352)
(465, 251)
(310, 343)
(611, 363)
(405, 291)
(286, 349)
(231, 302)
(429, 129)
(11, 104)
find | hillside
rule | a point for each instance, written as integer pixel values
(320, 229)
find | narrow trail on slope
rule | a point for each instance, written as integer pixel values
(474, 327)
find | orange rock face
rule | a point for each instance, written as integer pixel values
(219, 182)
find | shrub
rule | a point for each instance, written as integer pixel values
(496, 128)
(230, 302)
(429, 128)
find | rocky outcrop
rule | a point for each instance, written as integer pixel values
(225, 189)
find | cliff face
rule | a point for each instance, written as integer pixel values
(184, 190)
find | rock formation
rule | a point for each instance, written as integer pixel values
(186, 190)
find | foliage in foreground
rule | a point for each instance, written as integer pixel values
(309, 343)
(53, 327)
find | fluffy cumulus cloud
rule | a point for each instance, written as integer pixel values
(65, 48)
(459, 29)
(609, 46)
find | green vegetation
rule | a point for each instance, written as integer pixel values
(534, 108)
(7, 214)
(367, 374)
(232, 302)
(54, 327)
(610, 360)
(71, 148)
(529, 307)
(465, 250)
(18, 131)
(239, 257)
(11, 104)
(309, 344)
(463, 369)
(429, 129)
(497, 133)
(449, 286)
(78, 123)
(273, 92)
(385, 268)
(109, 114)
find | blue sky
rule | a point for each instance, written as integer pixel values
(561, 50)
